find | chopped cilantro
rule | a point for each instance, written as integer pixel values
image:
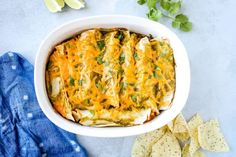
(156, 67)
(155, 74)
(87, 101)
(72, 81)
(123, 85)
(99, 86)
(101, 44)
(136, 57)
(122, 58)
(121, 36)
(99, 58)
(49, 65)
(134, 98)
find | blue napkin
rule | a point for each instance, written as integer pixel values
(24, 129)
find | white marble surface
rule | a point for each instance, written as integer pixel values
(211, 48)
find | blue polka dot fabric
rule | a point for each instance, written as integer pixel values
(24, 129)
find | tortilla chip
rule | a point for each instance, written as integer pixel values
(193, 130)
(183, 136)
(180, 124)
(179, 128)
(194, 122)
(143, 144)
(194, 145)
(210, 137)
(167, 146)
(199, 154)
(186, 153)
(171, 126)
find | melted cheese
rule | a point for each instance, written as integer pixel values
(111, 77)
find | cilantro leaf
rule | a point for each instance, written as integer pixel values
(181, 21)
(181, 18)
(171, 8)
(151, 4)
(154, 14)
(176, 24)
(174, 7)
(141, 2)
(186, 27)
(165, 4)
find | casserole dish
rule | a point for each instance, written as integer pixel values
(135, 24)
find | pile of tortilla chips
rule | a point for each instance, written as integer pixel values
(191, 136)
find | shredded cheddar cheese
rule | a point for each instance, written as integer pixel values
(111, 77)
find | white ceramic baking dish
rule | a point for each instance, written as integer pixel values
(136, 24)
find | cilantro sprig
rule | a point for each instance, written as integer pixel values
(182, 22)
(169, 9)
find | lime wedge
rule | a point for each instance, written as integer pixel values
(75, 4)
(54, 5)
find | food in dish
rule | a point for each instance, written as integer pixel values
(111, 77)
